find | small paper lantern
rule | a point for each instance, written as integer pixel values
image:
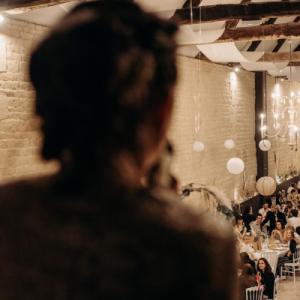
(235, 166)
(264, 145)
(229, 144)
(266, 186)
(198, 146)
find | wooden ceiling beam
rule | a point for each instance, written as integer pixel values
(262, 32)
(245, 11)
(21, 6)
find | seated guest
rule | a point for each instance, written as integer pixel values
(292, 244)
(246, 280)
(277, 233)
(248, 217)
(294, 220)
(266, 277)
(280, 215)
(255, 226)
(293, 197)
(263, 211)
(296, 235)
(240, 228)
(245, 259)
(271, 218)
(288, 209)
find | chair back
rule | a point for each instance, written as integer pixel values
(254, 293)
(296, 255)
(275, 287)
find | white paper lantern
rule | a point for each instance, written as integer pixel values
(198, 146)
(229, 144)
(264, 145)
(235, 166)
(266, 186)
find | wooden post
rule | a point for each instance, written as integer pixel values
(260, 107)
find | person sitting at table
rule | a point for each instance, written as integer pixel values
(246, 280)
(292, 245)
(271, 218)
(239, 228)
(280, 214)
(293, 197)
(264, 210)
(295, 219)
(265, 277)
(288, 209)
(255, 226)
(248, 217)
(277, 233)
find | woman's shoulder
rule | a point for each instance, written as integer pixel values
(24, 190)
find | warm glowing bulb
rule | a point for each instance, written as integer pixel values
(236, 69)
(262, 116)
(1, 19)
(292, 94)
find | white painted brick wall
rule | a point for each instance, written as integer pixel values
(19, 137)
(225, 102)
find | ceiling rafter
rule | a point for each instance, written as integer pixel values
(234, 23)
(246, 11)
(262, 32)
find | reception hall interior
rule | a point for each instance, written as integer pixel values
(234, 137)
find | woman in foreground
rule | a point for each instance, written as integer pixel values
(104, 81)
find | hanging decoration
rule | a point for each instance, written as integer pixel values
(266, 186)
(264, 145)
(198, 146)
(235, 166)
(229, 144)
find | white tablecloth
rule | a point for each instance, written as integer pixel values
(272, 256)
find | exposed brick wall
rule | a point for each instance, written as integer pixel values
(225, 102)
(19, 137)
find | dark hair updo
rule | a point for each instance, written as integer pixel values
(99, 74)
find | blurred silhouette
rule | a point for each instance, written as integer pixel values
(104, 81)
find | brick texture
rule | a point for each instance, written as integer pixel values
(224, 103)
(19, 137)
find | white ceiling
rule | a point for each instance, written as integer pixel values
(190, 34)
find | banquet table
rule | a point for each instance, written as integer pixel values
(272, 255)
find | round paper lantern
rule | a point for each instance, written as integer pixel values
(266, 186)
(264, 145)
(198, 146)
(229, 144)
(235, 166)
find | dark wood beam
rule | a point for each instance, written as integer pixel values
(18, 6)
(254, 45)
(233, 23)
(280, 42)
(246, 11)
(262, 32)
